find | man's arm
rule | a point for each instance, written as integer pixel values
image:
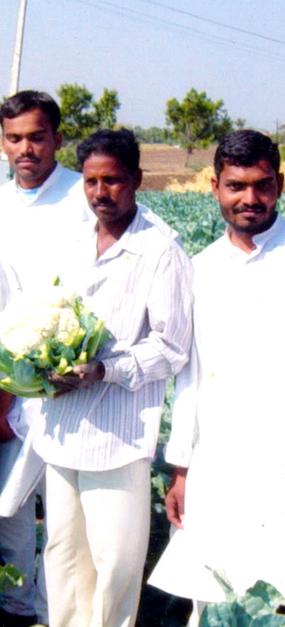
(175, 497)
(184, 433)
(164, 351)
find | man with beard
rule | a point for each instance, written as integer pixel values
(228, 424)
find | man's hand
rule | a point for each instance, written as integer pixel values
(80, 377)
(6, 400)
(175, 498)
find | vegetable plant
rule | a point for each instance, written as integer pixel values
(258, 607)
(46, 334)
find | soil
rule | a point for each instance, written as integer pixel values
(162, 164)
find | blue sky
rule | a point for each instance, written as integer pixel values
(150, 53)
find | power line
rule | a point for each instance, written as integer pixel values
(215, 22)
(134, 14)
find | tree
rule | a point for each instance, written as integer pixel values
(81, 114)
(105, 109)
(197, 120)
(75, 102)
(240, 124)
(153, 135)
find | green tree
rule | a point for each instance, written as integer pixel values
(68, 157)
(197, 121)
(75, 103)
(82, 114)
(105, 109)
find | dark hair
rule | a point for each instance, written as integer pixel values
(27, 100)
(246, 148)
(121, 144)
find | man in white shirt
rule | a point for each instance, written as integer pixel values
(228, 423)
(42, 210)
(43, 207)
(98, 440)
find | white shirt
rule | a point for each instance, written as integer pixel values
(35, 230)
(141, 288)
(235, 429)
(9, 284)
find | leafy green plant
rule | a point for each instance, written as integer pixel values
(10, 576)
(51, 334)
(196, 217)
(258, 607)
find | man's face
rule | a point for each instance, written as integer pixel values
(110, 188)
(30, 144)
(248, 196)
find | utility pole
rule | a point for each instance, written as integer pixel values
(16, 64)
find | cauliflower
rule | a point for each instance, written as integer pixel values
(52, 332)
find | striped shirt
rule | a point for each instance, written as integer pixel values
(141, 288)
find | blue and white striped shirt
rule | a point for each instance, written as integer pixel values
(141, 288)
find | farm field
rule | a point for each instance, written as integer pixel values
(164, 168)
(162, 164)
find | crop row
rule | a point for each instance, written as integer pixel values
(195, 216)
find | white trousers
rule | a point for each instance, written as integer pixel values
(98, 530)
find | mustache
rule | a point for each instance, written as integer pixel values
(105, 202)
(258, 208)
(27, 158)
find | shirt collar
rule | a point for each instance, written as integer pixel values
(129, 241)
(260, 240)
(51, 180)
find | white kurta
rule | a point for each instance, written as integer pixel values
(235, 505)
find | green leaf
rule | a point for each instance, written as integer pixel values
(97, 338)
(6, 360)
(224, 583)
(224, 615)
(10, 577)
(9, 385)
(262, 595)
(271, 620)
(24, 372)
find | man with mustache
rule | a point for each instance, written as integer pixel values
(228, 422)
(43, 207)
(41, 211)
(99, 439)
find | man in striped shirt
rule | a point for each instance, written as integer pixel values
(98, 440)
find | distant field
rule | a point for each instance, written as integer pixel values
(162, 164)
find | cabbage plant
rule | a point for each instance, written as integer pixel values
(258, 607)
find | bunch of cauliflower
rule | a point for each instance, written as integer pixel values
(48, 334)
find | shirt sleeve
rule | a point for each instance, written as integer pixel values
(165, 349)
(184, 429)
